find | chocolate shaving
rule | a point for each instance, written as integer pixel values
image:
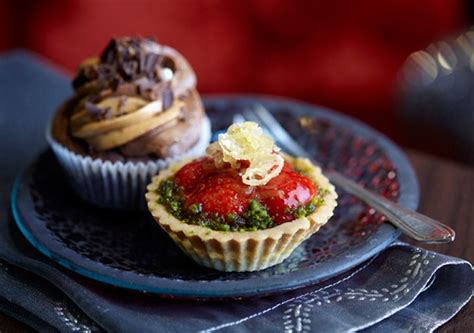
(144, 85)
(98, 113)
(167, 97)
(114, 83)
(107, 113)
(79, 80)
(121, 104)
(128, 66)
(92, 108)
(94, 99)
(150, 63)
(109, 52)
(128, 89)
(122, 101)
(142, 61)
(105, 72)
(128, 69)
(84, 75)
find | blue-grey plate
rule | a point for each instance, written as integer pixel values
(130, 251)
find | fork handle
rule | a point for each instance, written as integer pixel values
(418, 226)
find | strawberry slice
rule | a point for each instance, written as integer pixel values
(287, 167)
(192, 173)
(284, 193)
(222, 194)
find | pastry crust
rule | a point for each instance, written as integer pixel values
(234, 251)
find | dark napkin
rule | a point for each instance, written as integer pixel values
(403, 288)
(416, 290)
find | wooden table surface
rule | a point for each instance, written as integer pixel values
(447, 194)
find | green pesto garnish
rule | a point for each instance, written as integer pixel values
(302, 211)
(171, 197)
(309, 208)
(255, 216)
(195, 208)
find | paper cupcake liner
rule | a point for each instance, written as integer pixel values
(242, 251)
(119, 185)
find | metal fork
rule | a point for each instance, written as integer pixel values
(420, 227)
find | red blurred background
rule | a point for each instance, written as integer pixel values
(340, 54)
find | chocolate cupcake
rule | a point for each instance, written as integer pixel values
(135, 110)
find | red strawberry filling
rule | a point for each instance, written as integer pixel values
(221, 192)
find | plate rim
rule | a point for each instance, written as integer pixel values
(409, 197)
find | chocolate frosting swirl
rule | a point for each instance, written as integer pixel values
(134, 89)
(135, 66)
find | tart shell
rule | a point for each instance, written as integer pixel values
(235, 251)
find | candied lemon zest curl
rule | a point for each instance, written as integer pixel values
(246, 141)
